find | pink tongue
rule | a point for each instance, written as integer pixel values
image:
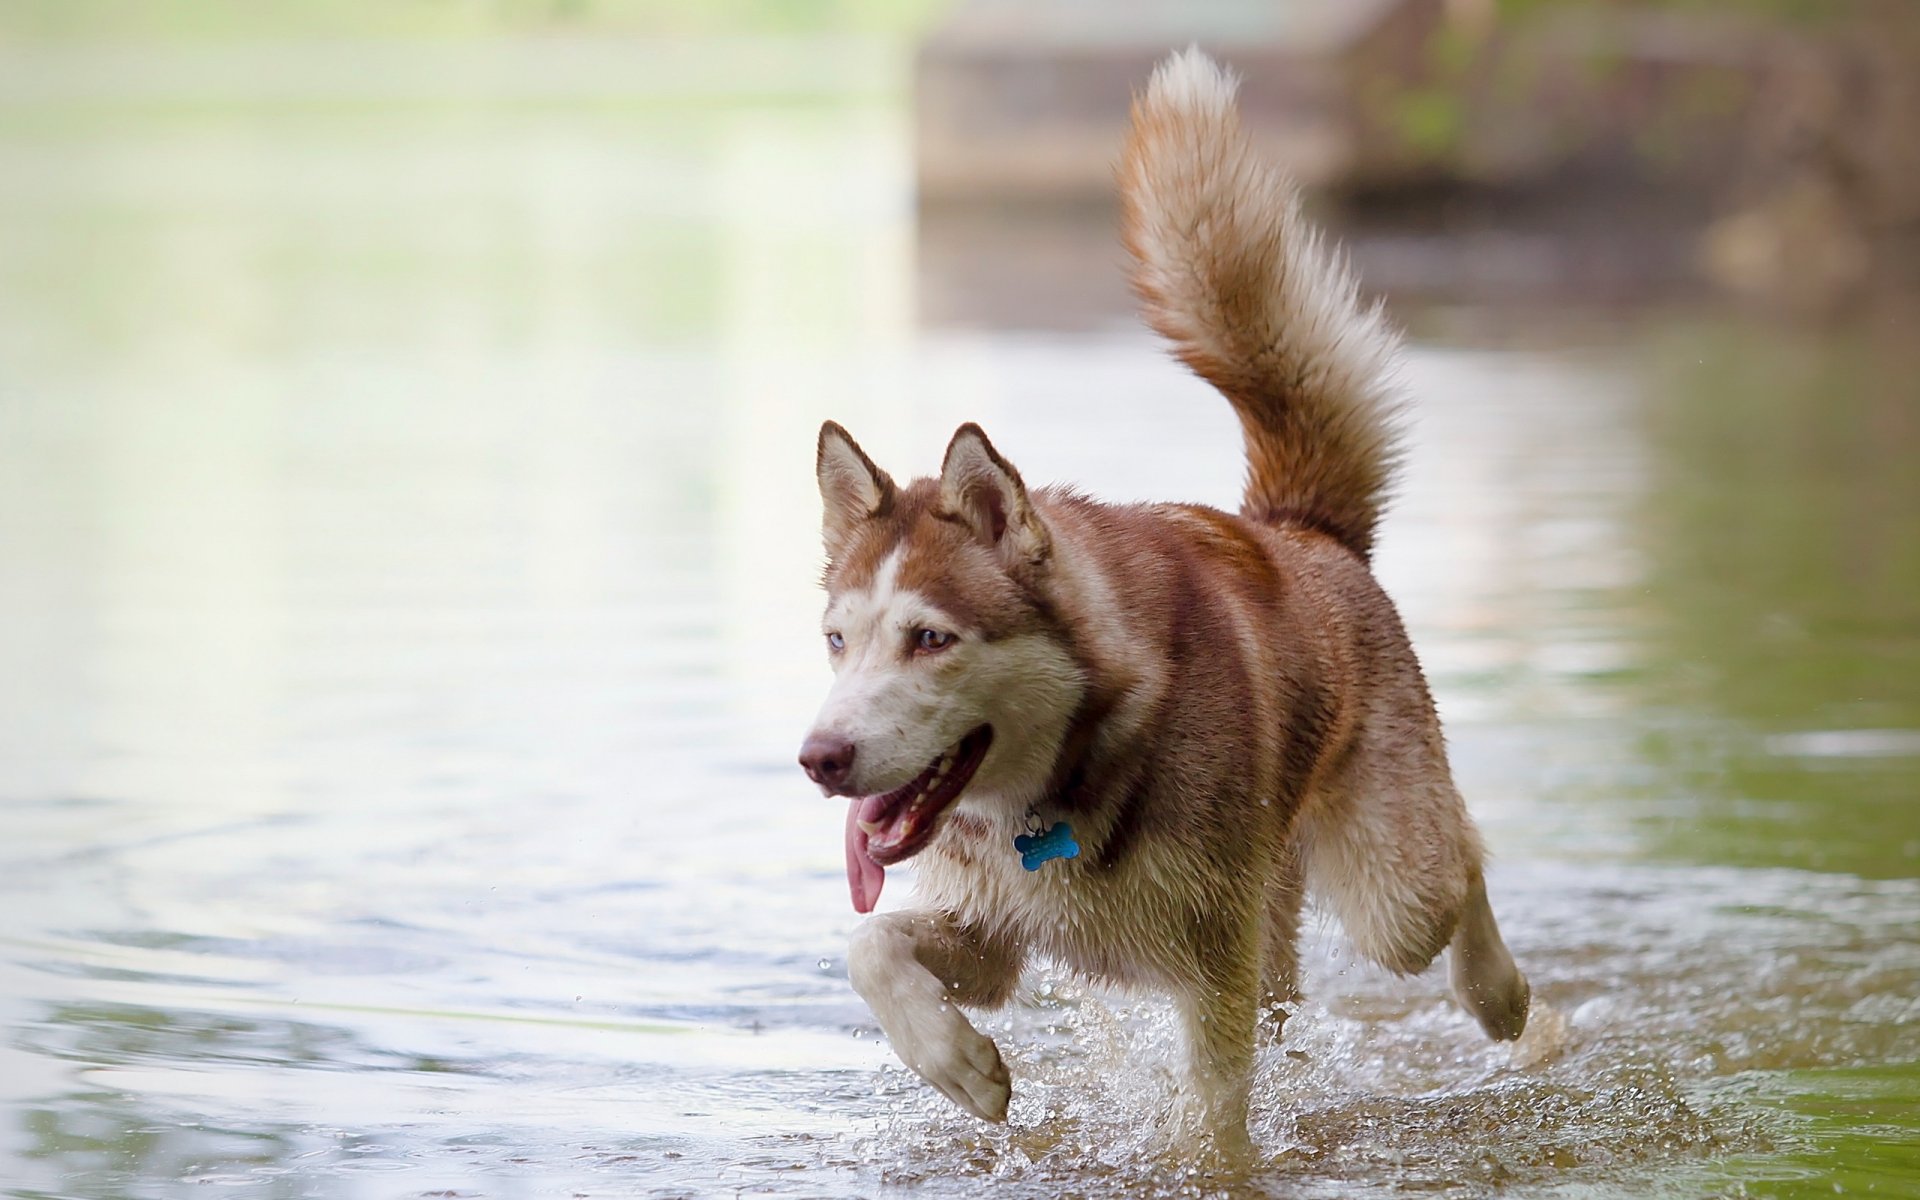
(864, 876)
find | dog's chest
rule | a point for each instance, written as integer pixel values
(1109, 924)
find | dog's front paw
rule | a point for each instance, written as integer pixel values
(917, 1012)
(965, 1066)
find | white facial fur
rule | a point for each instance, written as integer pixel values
(901, 710)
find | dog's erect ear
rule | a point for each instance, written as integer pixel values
(984, 490)
(852, 489)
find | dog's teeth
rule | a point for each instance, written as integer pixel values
(871, 827)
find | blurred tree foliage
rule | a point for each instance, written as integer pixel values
(1793, 10)
(1788, 123)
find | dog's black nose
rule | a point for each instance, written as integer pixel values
(827, 759)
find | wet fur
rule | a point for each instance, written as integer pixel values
(1226, 707)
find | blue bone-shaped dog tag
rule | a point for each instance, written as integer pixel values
(1038, 849)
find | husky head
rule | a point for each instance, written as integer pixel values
(953, 683)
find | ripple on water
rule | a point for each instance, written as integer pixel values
(1381, 1086)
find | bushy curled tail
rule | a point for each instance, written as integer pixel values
(1258, 305)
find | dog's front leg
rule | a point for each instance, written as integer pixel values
(914, 968)
(1219, 1009)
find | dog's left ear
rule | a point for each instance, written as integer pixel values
(984, 491)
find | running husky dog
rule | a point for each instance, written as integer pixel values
(1131, 737)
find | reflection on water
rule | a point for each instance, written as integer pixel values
(406, 614)
(1784, 522)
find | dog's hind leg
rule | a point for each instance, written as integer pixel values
(914, 969)
(1485, 980)
(1390, 848)
(1279, 984)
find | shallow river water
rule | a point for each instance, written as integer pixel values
(408, 619)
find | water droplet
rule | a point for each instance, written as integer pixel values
(826, 964)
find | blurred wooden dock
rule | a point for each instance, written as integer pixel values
(1028, 99)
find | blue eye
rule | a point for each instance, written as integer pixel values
(835, 641)
(931, 640)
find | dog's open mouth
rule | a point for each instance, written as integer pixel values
(897, 825)
(900, 823)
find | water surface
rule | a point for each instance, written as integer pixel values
(407, 620)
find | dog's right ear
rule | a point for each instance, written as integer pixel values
(852, 490)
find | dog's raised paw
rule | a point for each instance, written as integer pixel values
(969, 1071)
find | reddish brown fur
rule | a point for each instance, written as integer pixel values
(1230, 705)
(944, 562)
(1290, 696)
